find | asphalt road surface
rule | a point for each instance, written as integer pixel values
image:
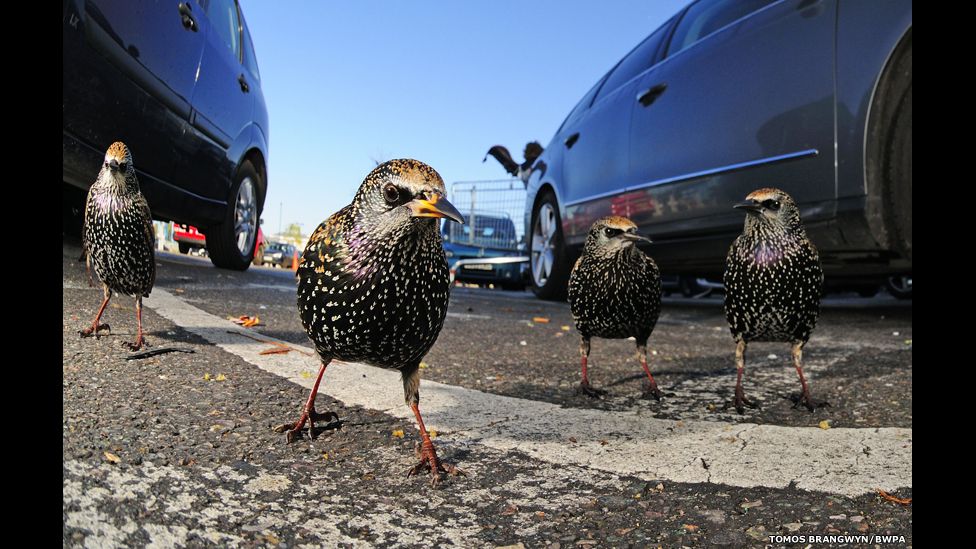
(178, 449)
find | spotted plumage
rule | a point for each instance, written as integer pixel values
(118, 237)
(615, 293)
(773, 281)
(373, 281)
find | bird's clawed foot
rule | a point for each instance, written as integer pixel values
(651, 391)
(93, 330)
(585, 388)
(430, 462)
(137, 344)
(310, 416)
(741, 402)
(804, 400)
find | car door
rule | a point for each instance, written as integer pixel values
(743, 100)
(222, 102)
(596, 155)
(138, 86)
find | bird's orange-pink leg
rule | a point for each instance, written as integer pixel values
(584, 387)
(428, 455)
(740, 365)
(96, 327)
(651, 390)
(140, 341)
(309, 415)
(805, 399)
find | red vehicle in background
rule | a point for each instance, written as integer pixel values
(188, 238)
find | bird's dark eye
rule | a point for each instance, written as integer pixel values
(122, 166)
(391, 193)
(771, 204)
(611, 232)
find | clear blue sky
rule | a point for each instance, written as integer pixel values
(346, 82)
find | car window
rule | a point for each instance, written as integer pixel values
(636, 62)
(223, 18)
(707, 16)
(583, 104)
(250, 59)
(489, 231)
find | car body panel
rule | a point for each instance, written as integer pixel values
(130, 73)
(701, 146)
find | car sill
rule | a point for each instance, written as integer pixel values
(808, 153)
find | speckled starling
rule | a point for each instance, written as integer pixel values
(374, 285)
(773, 282)
(118, 239)
(533, 150)
(615, 293)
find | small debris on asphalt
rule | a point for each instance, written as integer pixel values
(894, 499)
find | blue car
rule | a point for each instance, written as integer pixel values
(178, 82)
(811, 96)
(485, 250)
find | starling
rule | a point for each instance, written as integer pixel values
(118, 237)
(773, 282)
(374, 285)
(532, 151)
(615, 293)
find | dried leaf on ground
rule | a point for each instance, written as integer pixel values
(894, 499)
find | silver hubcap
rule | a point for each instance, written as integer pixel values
(245, 217)
(543, 244)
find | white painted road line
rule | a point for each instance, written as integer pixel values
(841, 461)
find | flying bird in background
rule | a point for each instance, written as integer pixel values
(522, 171)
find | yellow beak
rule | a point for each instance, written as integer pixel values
(435, 206)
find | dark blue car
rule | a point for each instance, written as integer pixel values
(178, 82)
(811, 96)
(485, 250)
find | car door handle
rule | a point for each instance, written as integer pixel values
(186, 15)
(651, 94)
(243, 82)
(571, 140)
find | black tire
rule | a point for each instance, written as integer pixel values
(888, 156)
(72, 210)
(689, 286)
(184, 247)
(554, 285)
(867, 290)
(243, 212)
(900, 286)
(898, 174)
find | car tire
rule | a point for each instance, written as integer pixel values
(689, 286)
(900, 286)
(231, 243)
(73, 210)
(888, 156)
(867, 290)
(548, 258)
(898, 174)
